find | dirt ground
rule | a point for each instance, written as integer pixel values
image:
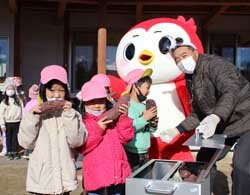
(13, 177)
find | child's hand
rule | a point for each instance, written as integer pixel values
(36, 109)
(103, 122)
(67, 106)
(123, 109)
(3, 128)
(150, 113)
(154, 122)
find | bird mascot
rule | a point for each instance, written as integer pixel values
(147, 45)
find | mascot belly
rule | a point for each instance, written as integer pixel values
(146, 45)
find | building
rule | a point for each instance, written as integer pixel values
(35, 33)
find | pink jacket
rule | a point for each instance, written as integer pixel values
(105, 161)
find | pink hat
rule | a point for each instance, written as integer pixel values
(92, 90)
(33, 91)
(51, 72)
(135, 75)
(101, 78)
(16, 80)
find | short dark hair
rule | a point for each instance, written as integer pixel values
(43, 87)
(146, 79)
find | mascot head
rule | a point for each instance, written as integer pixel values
(147, 44)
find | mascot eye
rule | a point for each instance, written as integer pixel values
(130, 51)
(164, 45)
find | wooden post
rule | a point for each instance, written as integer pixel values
(139, 11)
(101, 50)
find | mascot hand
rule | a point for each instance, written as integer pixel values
(169, 134)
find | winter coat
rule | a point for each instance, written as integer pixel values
(51, 166)
(105, 161)
(11, 113)
(218, 88)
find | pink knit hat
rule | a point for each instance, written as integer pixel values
(92, 90)
(33, 91)
(53, 72)
(101, 78)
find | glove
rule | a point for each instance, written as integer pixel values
(208, 125)
(169, 134)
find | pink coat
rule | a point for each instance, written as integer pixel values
(105, 161)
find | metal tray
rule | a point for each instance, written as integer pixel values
(217, 141)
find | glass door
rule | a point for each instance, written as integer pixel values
(4, 58)
(84, 64)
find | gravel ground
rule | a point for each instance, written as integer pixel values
(13, 177)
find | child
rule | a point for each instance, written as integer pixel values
(10, 117)
(102, 79)
(19, 88)
(51, 167)
(33, 95)
(139, 83)
(105, 161)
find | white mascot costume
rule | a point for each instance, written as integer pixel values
(146, 45)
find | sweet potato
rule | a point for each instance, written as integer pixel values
(191, 178)
(52, 106)
(113, 113)
(184, 173)
(150, 103)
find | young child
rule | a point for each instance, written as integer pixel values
(139, 83)
(33, 95)
(102, 79)
(105, 162)
(51, 168)
(10, 117)
(19, 88)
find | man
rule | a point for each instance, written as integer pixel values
(220, 98)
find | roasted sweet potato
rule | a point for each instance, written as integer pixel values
(184, 173)
(191, 178)
(52, 106)
(113, 113)
(150, 103)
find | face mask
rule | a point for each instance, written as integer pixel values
(187, 65)
(10, 92)
(94, 112)
(140, 96)
(54, 99)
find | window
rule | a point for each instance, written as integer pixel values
(83, 59)
(235, 48)
(110, 59)
(223, 45)
(4, 57)
(83, 66)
